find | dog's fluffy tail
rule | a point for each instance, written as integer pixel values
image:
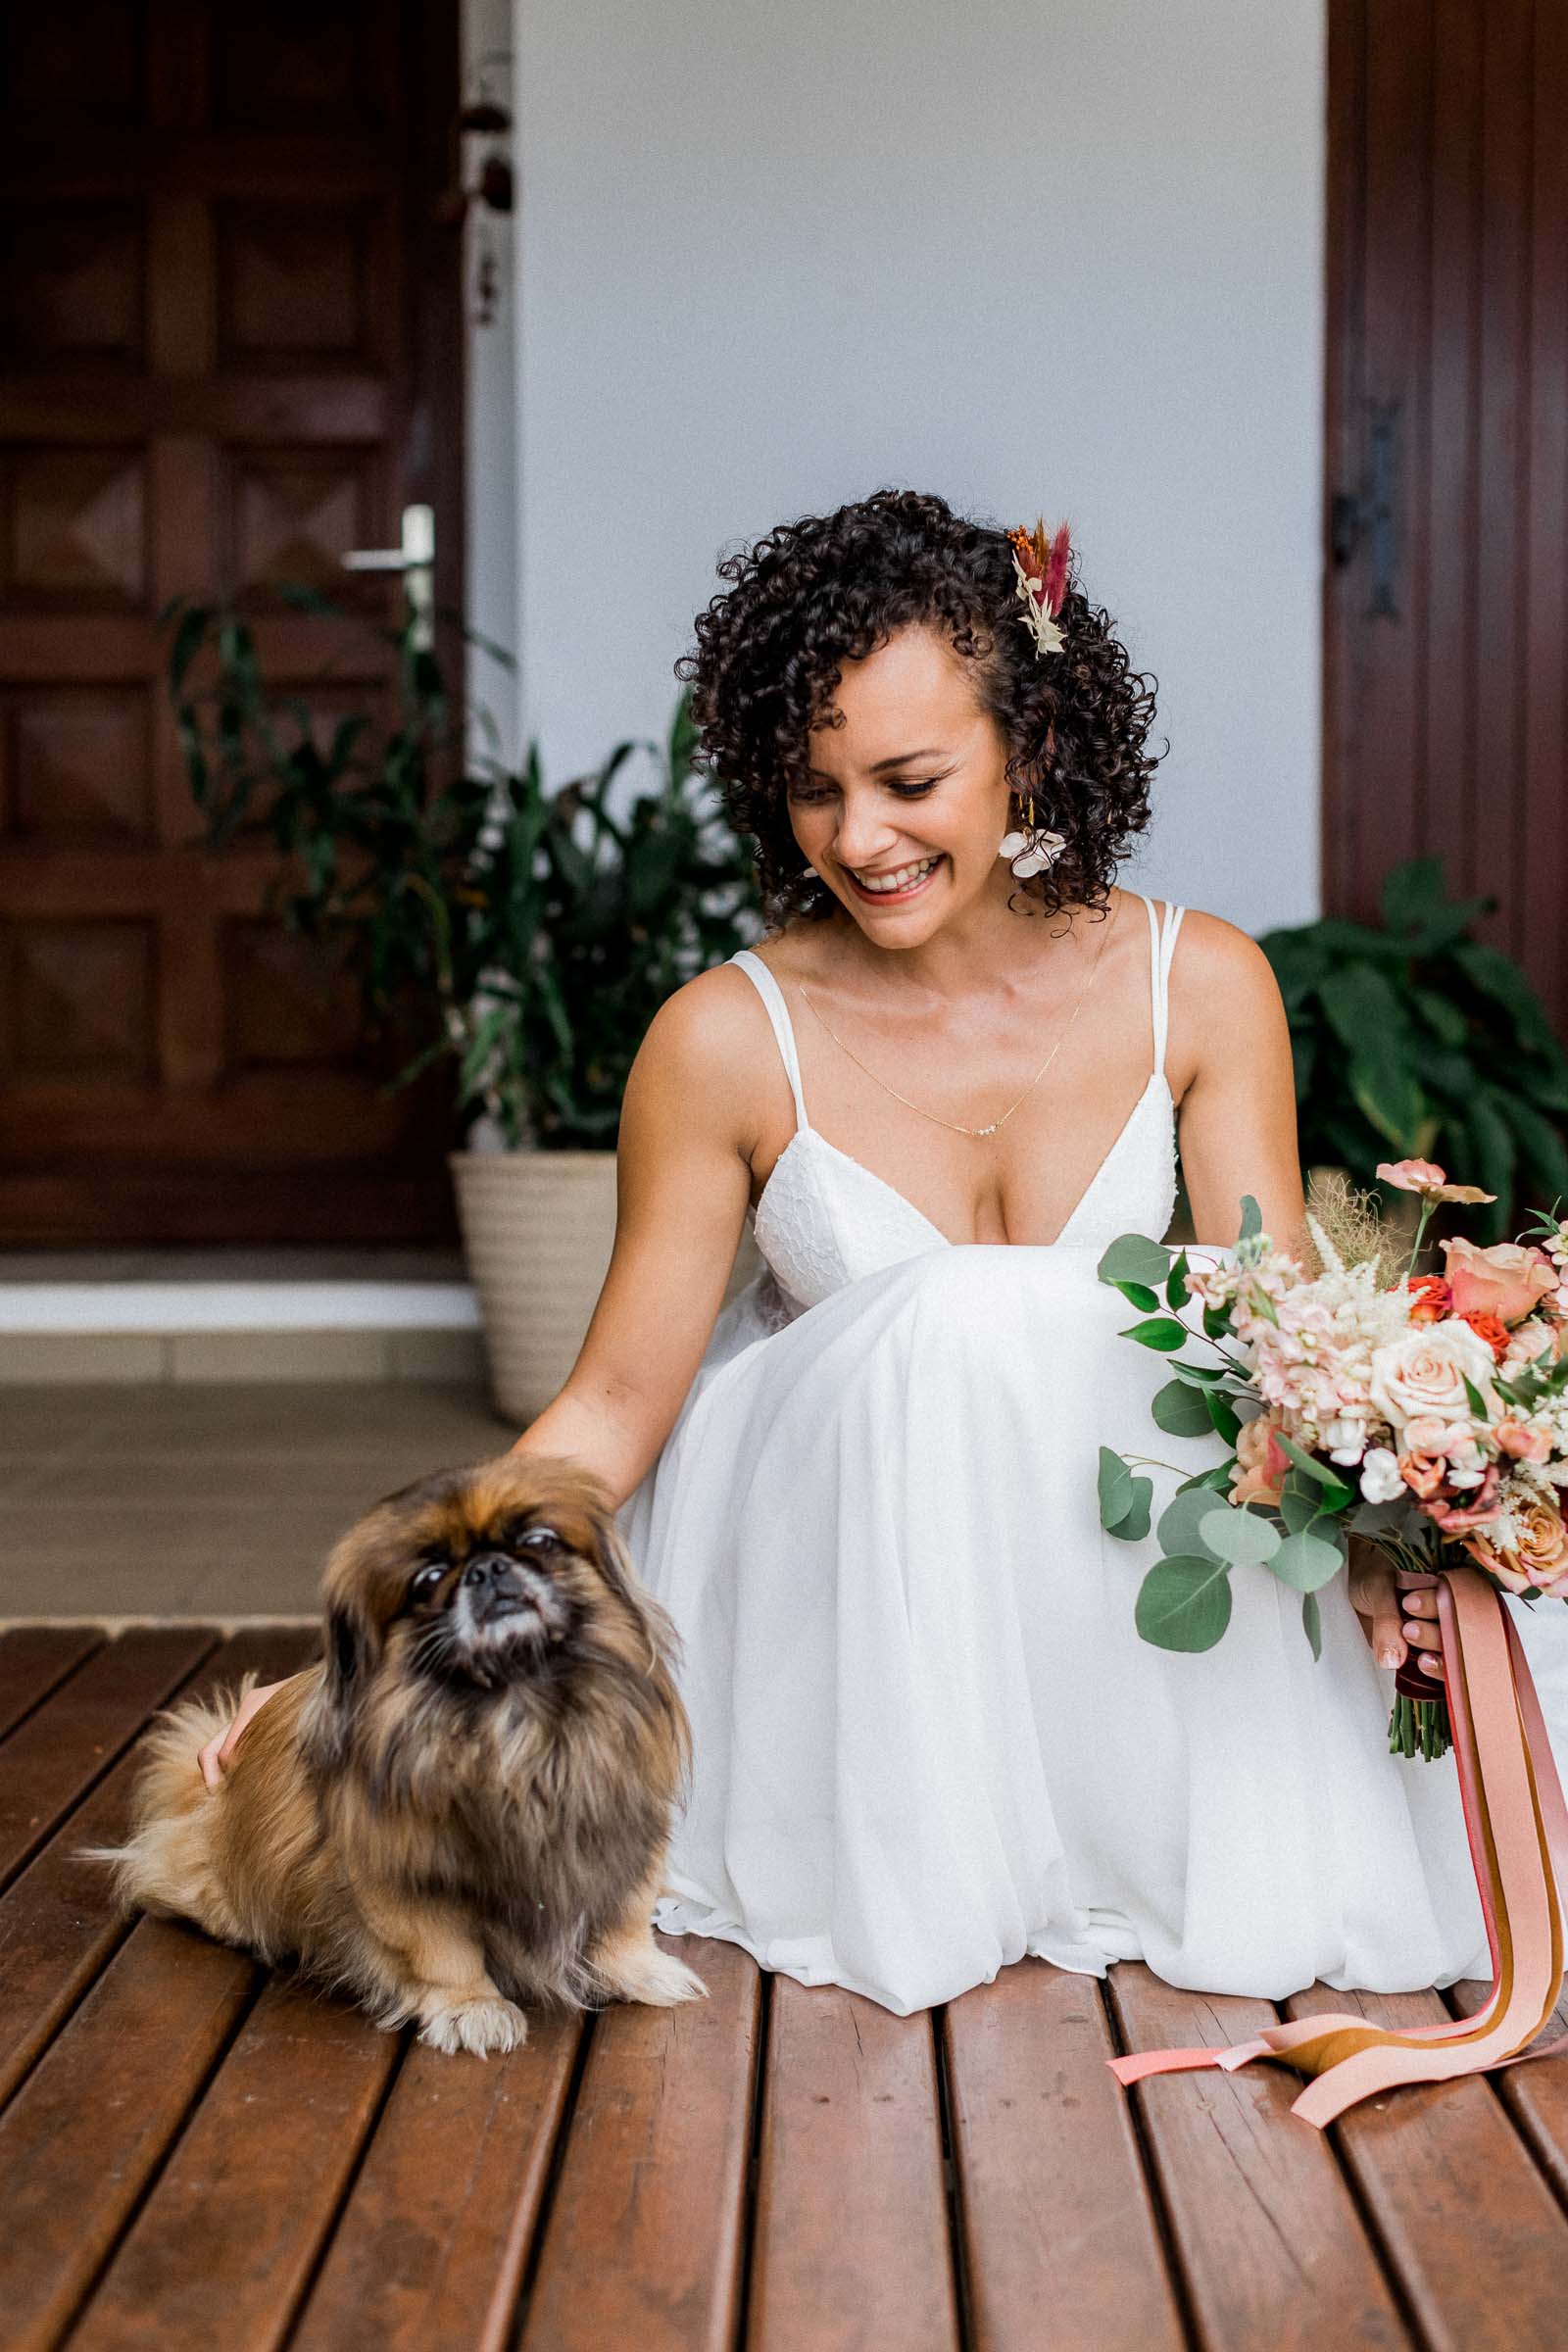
(166, 1864)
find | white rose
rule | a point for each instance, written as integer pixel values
(1380, 1475)
(1422, 1373)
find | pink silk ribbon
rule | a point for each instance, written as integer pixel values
(1516, 1822)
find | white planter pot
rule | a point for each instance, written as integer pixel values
(538, 1228)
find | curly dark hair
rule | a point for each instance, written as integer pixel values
(813, 594)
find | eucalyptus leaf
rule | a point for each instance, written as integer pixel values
(1243, 1537)
(1184, 1605)
(1179, 1521)
(1116, 1482)
(1181, 1410)
(1134, 1258)
(1133, 1526)
(1306, 1561)
(1312, 1622)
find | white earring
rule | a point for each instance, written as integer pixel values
(1030, 852)
(809, 872)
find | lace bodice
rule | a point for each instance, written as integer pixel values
(824, 1219)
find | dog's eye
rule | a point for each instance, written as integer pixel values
(426, 1581)
(541, 1538)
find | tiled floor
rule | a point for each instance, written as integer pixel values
(150, 1501)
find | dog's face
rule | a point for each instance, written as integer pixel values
(477, 1580)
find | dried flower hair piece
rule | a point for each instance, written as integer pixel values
(1041, 563)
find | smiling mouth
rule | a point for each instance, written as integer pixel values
(910, 889)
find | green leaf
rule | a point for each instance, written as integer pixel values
(1498, 977)
(1240, 1536)
(1472, 1396)
(1312, 1622)
(1182, 1410)
(1134, 1258)
(1300, 1501)
(1116, 1488)
(1159, 1332)
(1138, 1293)
(1326, 1478)
(1133, 1526)
(1179, 1521)
(1544, 1161)
(1306, 1561)
(1176, 1287)
(1218, 1476)
(1222, 1417)
(1184, 1604)
(1251, 1217)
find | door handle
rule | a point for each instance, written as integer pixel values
(414, 559)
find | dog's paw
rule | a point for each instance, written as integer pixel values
(646, 1974)
(477, 2026)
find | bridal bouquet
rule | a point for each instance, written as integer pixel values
(1425, 1413)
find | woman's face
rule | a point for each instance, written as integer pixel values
(914, 778)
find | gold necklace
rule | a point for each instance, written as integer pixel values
(955, 1124)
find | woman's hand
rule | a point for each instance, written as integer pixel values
(217, 1756)
(1398, 1610)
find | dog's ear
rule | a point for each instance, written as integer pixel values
(325, 1726)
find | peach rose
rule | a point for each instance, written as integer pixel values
(1522, 1444)
(1422, 1373)
(1505, 1280)
(1261, 1462)
(1538, 1554)
(1423, 1473)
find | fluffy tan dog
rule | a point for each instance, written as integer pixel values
(465, 1803)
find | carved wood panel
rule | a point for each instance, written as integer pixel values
(224, 300)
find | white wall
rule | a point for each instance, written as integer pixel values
(1059, 256)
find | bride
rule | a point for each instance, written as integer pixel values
(927, 1737)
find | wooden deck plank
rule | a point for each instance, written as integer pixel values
(56, 1929)
(1535, 2095)
(852, 2248)
(33, 1658)
(1478, 2240)
(225, 2245)
(66, 1744)
(644, 2238)
(1061, 2241)
(90, 2125)
(1273, 2253)
(430, 2249)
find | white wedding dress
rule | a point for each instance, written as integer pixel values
(928, 1738)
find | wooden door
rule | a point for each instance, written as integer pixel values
(232, 352)
(1445, 720)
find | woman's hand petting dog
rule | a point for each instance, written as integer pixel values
(218, 1754)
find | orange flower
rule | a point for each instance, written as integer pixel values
(1424, 1176)
(1537, 1555)
(1489, 1327)
(1423, 1473)
(1429, 1299)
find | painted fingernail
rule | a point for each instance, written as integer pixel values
(1388, 1655)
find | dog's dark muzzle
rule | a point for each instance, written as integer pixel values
(494, 1588)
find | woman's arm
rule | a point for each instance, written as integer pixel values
(682, 1183)
(1231, 1042)
(688, 1126)
(1238, 1135)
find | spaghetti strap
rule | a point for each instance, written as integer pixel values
(778, 1013)
(1161, 953)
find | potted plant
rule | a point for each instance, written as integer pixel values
(524, 937)
(1413, 1038)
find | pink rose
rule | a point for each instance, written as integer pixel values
(1505, 1281)
(1423, 1473)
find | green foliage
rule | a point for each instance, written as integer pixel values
(1413, 1038)
(525, 937)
